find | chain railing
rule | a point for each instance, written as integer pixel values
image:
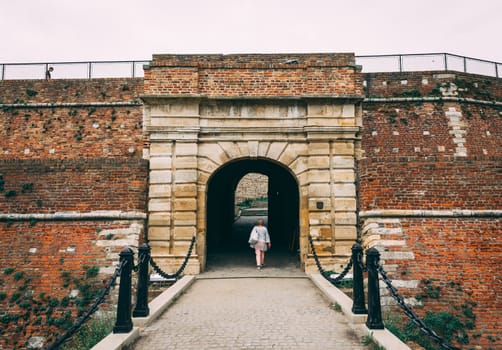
(165, 275)
(132, 69)
(358, 306)
(374, 311)
(91, 310)
(411, 314)
(126, 267)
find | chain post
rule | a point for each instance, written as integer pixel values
(141, 308)
(123, 324)
(358, 306)
(374, 320)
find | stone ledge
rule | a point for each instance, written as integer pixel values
(117, 341)
(430, 213)
(430, 99)
(150, 98)
(71, 104)
(73, 215)
(335, 295)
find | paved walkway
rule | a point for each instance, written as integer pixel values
(239, 309)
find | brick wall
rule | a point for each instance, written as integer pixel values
(70, 118)
(253, 75)
(431, 151)
(446, 265)
(432, 183)
(68, 147)
(82, 185)
(71, 90)
(434, 83)
(50, 256)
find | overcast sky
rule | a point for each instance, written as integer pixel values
(62, 30)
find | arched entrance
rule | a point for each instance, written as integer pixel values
(283, 207)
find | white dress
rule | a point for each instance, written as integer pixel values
(259, 238)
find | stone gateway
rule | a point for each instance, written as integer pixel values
(210, 120)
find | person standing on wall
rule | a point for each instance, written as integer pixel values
(259, 239)
(48, 73)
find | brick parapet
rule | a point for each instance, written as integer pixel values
(432, 83)
(71, 90)
(253, 75)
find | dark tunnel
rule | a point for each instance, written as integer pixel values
(283, 206)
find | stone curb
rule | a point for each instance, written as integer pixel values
(157, 307)
(117, 341)
(382, 337)
(161, 303)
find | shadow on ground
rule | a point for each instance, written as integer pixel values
(241, 264)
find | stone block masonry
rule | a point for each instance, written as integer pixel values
(204, 112)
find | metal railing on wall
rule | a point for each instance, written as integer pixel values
(72, 70)
(428, 62)
(370, 64)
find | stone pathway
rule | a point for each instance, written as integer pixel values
(236, 309)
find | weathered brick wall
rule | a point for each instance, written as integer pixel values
(416, 84)
(71, 90)
(81, 185)
(40, 264)
(253, 75)
(70, 118)
(431, 158)
(432, 183)
(446, 265)
(68, 147)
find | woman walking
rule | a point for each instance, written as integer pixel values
(260, 241)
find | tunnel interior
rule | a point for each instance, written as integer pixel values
(283, 207)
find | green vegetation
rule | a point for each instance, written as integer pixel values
(451, 325)
(10, 193)
(91, 333)
(27, 187)
(368, 340)
(31, 92)
(52, 313)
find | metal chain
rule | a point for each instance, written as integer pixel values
(93, 308)
(411, 314)
(362, 266)
(141, 260)
(180, 270)
(321, 269)
(340, 277)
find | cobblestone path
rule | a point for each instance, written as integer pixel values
(250, 313)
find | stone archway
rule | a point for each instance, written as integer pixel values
(283, 205)
(206, 115)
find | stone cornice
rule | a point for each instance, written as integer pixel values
(73, 216)
(158, 98)
(430, 99)
(449, 213)
(71, 104)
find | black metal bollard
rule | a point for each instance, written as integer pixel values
(123, 324)
(358, 306)
(374, 320)
(141, 308)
